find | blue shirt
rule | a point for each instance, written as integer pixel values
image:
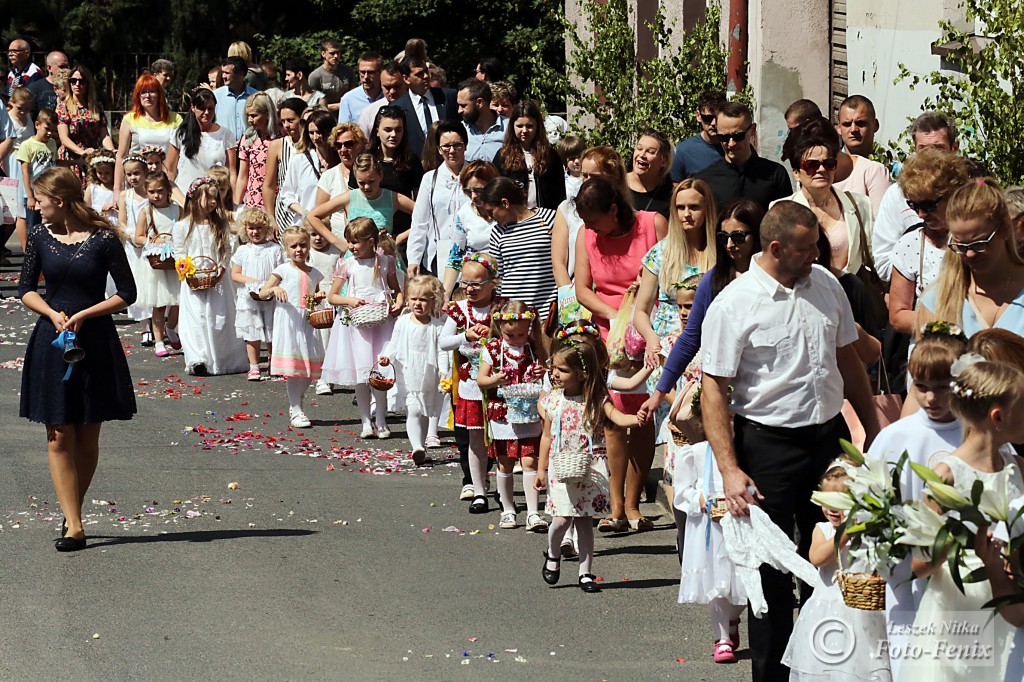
(1012, 318)
(353, 102)
(484, 145)
(688, 343)
(231, 109)
(693, 155)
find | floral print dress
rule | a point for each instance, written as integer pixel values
(568, 434)
(665, 318)
(85, 128)
(254, 152)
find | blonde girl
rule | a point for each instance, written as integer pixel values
(371, 278)
(467, 326)
(207, 325)
(514, 355)
(159, 289)
(99, 193)
(573, 415)
(297, 351)
(252, 265)
(129, 205)
(415, 351)
(261, 115)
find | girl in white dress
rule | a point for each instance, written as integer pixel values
(324, 257)
(372, 278)
(100, 192)
(708, 575)
(297, 353)
(988, 398)
(867, 660)
(129, 205)
(573, 414)
(418, 360)
(207, 325)
(158, 289)
(251, 266)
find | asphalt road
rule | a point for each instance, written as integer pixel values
(333, 559)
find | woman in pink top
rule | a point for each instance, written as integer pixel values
(608, 260)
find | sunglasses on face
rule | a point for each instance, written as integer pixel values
(737, 237)
(76, 81)
(707, 119)
(470, 191)
(811, 166)
(346, 144)
(923, 206)
(726, 138)
(978, 246)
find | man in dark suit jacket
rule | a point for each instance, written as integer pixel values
(423, 105)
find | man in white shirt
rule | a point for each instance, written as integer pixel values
(781, 337)
(393, 85)
(895, 218)
(485, 127)
(354, 101)
(423, 105)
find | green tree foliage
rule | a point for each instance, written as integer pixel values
(623, 95)
(985, 96)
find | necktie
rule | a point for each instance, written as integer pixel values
(427, 119)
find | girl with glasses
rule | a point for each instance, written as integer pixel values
(80, 122)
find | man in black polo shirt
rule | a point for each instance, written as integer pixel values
(742, 174)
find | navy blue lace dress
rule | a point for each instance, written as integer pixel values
(100, 387)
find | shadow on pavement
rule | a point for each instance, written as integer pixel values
(639, 584)
(195, 536)
(635, 549)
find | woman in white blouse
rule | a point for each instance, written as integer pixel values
(199, 143)
(470, 232)
(440, 196)
(349, 142)
(313, 155)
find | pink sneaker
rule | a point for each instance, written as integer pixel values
(722, 653)
(253, 375)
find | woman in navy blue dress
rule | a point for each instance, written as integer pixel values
(74, 249)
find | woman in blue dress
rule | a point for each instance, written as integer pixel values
(74, 250)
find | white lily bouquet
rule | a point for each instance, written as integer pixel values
(875, 522)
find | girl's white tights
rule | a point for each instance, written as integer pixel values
(415, 423)
(532, 494)
(477, 461)
(560, 525)
(363, 401)
(722, 611)
(297, 387)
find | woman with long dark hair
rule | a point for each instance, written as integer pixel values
(75, 388)
(402, 168)
(80, 122)
(201, 143)
(279, 155)
(313, 156)
(528, 158)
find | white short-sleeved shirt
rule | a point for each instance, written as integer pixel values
(778, 346)
(894, 220)
(332, 183)
(906, 259)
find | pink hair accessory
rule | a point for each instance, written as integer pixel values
(980, 181)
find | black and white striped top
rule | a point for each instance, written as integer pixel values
(523, 251)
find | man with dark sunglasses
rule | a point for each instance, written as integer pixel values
(696, 153)
(741, 173)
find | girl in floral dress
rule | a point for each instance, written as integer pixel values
(261, 114)
(573, 414)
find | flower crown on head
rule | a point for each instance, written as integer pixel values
(689, 286)
(133, 157)
(491, 266)
(942, 328)
(97, 160)
(513, 317)
(153, 149)
(958, 367)
(199, 182)
(581, 327)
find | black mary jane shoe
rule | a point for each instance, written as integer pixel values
(551, 577)
(63, 528)
(478, 505)
(69, 544)
(589, 586)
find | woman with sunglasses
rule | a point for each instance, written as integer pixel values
(737, 239)
(528, 158)
(349, 142)
(648, 177)
(846, 217)
(928, 179)
(151, 122)
(81, 124)
(440, 197)
(471, 232)
(200, 143)
(981, 282)
(403, 170)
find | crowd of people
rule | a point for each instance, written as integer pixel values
(454, 255)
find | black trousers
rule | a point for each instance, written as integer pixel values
(786, 464)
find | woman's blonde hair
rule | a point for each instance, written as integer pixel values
(979, 200)
(349, 127)
(675, 254)
(252, 216)
(983, 386)
(261, 103)
(61, 183)
(430, 284)
(241, 49)
(932, 174)
(219, 224)
(368, 162)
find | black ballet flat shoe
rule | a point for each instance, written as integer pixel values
(479, 505)
(69, 544)
(63, 527)
(551, 577)
(590, 586)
